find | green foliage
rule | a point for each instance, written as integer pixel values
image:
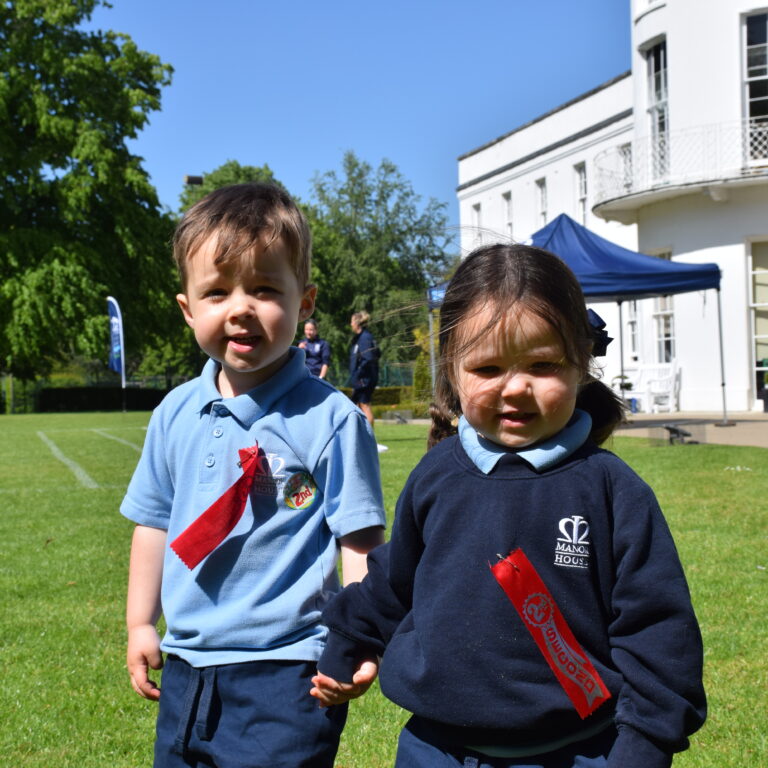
(229, 173)
(422, 376)
(376, 248)
(79, 218)
(172, 353)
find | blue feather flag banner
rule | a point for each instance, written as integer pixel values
(116, 347)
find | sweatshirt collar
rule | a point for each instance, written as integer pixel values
(485, 455)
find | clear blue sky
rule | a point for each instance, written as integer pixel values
(296, 83)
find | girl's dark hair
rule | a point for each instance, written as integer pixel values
(503, 276)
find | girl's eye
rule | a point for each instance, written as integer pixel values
(486, 370)
(545, 366)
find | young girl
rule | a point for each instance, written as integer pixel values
(530, 607)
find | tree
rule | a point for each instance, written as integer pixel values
(229, 173)
(377, 248)
(79, 218)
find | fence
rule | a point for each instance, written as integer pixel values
(141, 393)
(704, 154)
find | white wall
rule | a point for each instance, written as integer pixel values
(699, 230)
(704, 50)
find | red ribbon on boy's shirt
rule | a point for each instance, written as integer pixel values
(549, 629)
(199, 539)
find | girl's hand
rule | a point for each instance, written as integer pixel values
(143, 654)
(330, 692)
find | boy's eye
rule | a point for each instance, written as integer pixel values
(215, 293)
(263, 289)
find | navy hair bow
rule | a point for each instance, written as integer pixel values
(600, 337)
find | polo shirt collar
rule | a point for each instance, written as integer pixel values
(485, 455)
(252, 405)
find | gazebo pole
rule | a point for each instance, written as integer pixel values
(621, 351)
(724, 422)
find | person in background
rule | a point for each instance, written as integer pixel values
(364, 357)
(252, 478)
(316, 350)
(530, 607)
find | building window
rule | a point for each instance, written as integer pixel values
(477, 223)
(756, 85)
(664, 322)
(580, 171)
(506, 205)
(658, 110)
(541, 201)
(664, 319)
(632, 326)
(759, 311)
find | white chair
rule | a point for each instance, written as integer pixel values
(662, 389)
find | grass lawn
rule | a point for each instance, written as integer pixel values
(63, 563)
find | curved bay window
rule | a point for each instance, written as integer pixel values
(658, 109)
(756, 85)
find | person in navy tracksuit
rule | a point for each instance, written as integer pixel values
(364, 357)
(317, 351)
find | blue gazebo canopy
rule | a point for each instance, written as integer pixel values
(608, 272)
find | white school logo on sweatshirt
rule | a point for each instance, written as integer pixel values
(572, 546)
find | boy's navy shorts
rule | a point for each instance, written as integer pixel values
(362, 394)
(418, 748)
(257, 714)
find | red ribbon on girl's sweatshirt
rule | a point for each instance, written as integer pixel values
(198, 540)
(549, 629)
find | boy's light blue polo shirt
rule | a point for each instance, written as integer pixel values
(258, 595)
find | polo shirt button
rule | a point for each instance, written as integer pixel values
(218, 432)
(210, 461)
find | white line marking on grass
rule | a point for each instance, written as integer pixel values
(82, 476)
(52, 430)
(59, 489)
(120, 440)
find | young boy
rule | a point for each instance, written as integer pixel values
(251, 476)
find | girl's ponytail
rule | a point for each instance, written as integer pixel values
(605, 407)
(442, 426)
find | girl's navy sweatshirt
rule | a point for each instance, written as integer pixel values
(456, 652)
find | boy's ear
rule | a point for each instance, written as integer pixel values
(181, 298)
(307, 303)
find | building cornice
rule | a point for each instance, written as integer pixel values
(549, 148)
(554, 111)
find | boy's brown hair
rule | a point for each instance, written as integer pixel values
(243, 217)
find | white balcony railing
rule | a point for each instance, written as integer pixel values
(706, 154)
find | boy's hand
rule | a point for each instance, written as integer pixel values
(143, 654)
(330, 692)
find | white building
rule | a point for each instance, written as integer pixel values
(670, 159)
